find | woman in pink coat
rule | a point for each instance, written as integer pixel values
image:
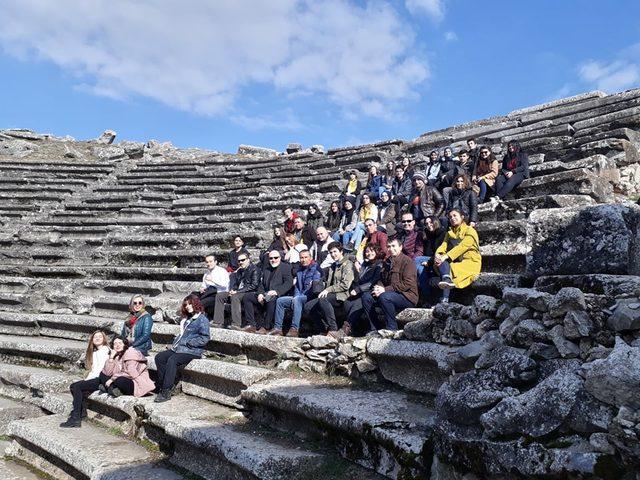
(127, 371)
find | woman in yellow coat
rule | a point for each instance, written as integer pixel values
(458, 257)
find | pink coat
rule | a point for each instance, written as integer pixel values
(131, 365)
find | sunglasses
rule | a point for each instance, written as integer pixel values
(137, 303)
(407, 221)
(274, 258)
(242, 259)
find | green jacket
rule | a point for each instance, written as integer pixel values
(340, 278)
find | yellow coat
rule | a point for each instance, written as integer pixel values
(462, 246)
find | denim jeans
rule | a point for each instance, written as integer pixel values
(423, 274)
(296, 304)
(391, 304)
(482, 185)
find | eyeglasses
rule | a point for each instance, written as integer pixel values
(407, 221)
(274, 258)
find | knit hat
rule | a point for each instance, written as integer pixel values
(420, 176)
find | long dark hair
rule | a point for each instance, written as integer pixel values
(124, 340)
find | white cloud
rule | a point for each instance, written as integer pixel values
(432, 8)
(610, 77)
(450, 36)
(286, 120)
(203, 56)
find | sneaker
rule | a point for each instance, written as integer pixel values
(262, 331)
(293, 332)
(446, 282)
(71, 422)
(444, 300)
(248, 329)
(275, 332)
(350, 246)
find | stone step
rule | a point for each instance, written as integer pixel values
(259, 349)
(598, 164)
(41, 350)
(220, 382)
(574, 182)
(88, 452)
(522, 207)
(12, 410)
(12, 470)
(384, 430)
(108, 272)
(73, 327)
(607, 285)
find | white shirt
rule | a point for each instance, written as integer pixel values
(100, 357)
(217, 277)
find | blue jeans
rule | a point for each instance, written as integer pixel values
(391, 304)
(358, 235)
(482, 185)
(445, 271)
(294, 303)
(423, 274)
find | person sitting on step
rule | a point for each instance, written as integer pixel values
(238, 248)
(245, 279)
(277, 281)
(95, 358)
(458, 259)
(386, 214)
(351, 190)
(368, 275)
(425, 200)
(289, 217)
(411, 239)
(432, 169)
(465, 163)
(315, 219)
(448, 169)
(515, 168)
(401, 189)
(333, 218)
(348, 222)
(304, 234)
(373, 236)
(374, 183)
(485, 174)
(367, 210)
(319, 250)
(188, 345)
(434, 234)
(214, 280)
(396, 290)
(462, 197)
(137, 328)
(339, 279)
(124, 373)
(308, 273)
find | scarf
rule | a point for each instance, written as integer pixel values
(134, 318)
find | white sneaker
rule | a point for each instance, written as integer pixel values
(446, 282)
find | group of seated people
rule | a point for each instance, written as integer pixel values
(120, 366)
(378, 250)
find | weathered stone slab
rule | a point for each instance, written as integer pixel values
(574, 182)
(89, 451)
(41, 349)
(599, 284)
(396, 429)
(419, 366)
(584, 240)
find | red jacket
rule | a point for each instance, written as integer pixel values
(288, 224)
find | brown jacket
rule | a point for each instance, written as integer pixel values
(399, 274)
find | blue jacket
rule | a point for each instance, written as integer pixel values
(375, 184)
(305, 278)
(141, 333)
(194, 337)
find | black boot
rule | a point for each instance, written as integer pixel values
(163, 396)
(72, 422)
(114, 392)
(84, 412)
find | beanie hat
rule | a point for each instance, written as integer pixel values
(420, 176)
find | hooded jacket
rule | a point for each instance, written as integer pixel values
(518, 160)
(132, 364)
(466, 201)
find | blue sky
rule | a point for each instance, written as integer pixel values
(217, 74)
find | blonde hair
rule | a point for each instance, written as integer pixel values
(137, 295)
(290, 237)
(88, 356)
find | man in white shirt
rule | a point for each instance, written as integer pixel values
(214, 280)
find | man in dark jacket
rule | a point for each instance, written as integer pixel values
(425, 200)
(339, 279)
(396, 290)
(277, 281)
(303, 233)
(400, 188)
(515, 168)
(308, 273)
(448, 169)
(474, 151)
(245, 279)
(319, 250)
(411, 240)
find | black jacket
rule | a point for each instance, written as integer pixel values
(307, 236)
(448, 167)
(233, 257)
(432, 240)
(465, 200)
(522, 164)
(245, 279)
(402, 187)
(279, 279)
(431, 203)
(332, 221)
(369, 275)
